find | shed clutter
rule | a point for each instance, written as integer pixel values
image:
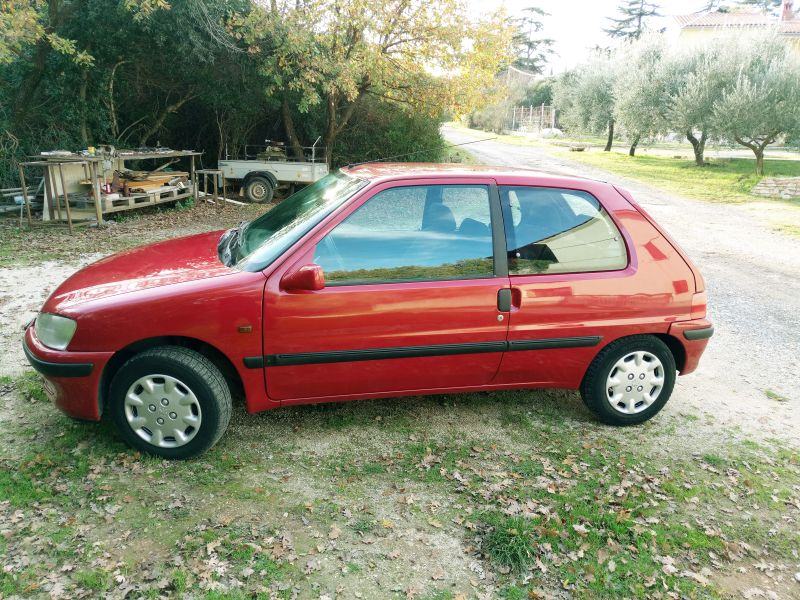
(96, 181)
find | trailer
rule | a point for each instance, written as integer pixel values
(265, 167)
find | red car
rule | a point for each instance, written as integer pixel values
(379, 280)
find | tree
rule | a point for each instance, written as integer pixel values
(538, 93)
(761, 102)
(639, 90)
(329, 55)
(531, 50)
(695, 82)
(584, 98)
(632, 20)
(767, 6)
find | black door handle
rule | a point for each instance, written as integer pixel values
(504, 300)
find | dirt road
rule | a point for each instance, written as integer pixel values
(750, 374)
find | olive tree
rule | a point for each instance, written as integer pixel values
(761, 104)
(695, 81)
(584, 98)
(640, 104)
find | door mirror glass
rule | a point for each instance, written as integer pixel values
(308, 278)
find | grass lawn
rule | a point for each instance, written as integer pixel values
(724, 180)
(508, 495)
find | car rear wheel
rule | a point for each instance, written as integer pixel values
(259, 190)
(170, 401)
(630, 380)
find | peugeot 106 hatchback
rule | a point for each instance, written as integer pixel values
(379, 280)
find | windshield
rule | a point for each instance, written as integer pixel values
(263, 240)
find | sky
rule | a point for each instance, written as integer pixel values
(577, 25)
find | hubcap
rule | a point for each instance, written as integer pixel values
(258, 191)
(635, 382)
(163, 411)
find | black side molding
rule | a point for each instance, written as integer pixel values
(699, 334)
(254, 362)
(314, 358)
(52, 369)
(571, 342)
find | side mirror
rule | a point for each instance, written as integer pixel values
(308, 278)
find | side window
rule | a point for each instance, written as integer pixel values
(412, 233)
(550, 230)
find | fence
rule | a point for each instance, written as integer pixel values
(532, 118)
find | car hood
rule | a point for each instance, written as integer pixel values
(164, 263)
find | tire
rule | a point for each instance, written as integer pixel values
(194, 405)
(259, 190)
(631, 364)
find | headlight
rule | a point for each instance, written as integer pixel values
(54, 331)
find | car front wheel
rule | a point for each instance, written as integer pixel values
(170, 401)
(630, 380)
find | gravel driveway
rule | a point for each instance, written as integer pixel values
(750, 374)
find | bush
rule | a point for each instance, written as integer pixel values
(380, 130)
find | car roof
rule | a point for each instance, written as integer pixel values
(387, 171)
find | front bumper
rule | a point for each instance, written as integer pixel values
(74, 377)
(694, 336)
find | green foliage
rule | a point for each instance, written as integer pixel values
(216, 75)
(585, 95)
(29, 386)
(761, 101)
(743, 89)
(381, 129)
(632, 19)
(724, 180)
(185, 204)
(509, 541)
(493, 116)
(538, 93)
(640, 99)
(531, 49)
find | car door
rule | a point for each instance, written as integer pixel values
(572, 280)
(410, 302)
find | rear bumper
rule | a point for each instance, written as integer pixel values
(73, 377)
(694, 336)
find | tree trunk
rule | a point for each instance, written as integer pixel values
(82, 98)
(759, 152)
(112, 109)
(699, 146)
(610, 136)
(30, 84)
(291, 132)
(159, 122)
(758, 149)
(632, 151)
(336, 122)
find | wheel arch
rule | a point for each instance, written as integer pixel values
(265, 174)
(675, 346)
(216, 356)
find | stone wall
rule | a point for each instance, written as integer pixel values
(778, 187)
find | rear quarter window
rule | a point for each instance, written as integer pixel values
(551, 230)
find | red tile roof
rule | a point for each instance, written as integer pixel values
(748, 19)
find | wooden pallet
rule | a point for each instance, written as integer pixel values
(161, 196)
